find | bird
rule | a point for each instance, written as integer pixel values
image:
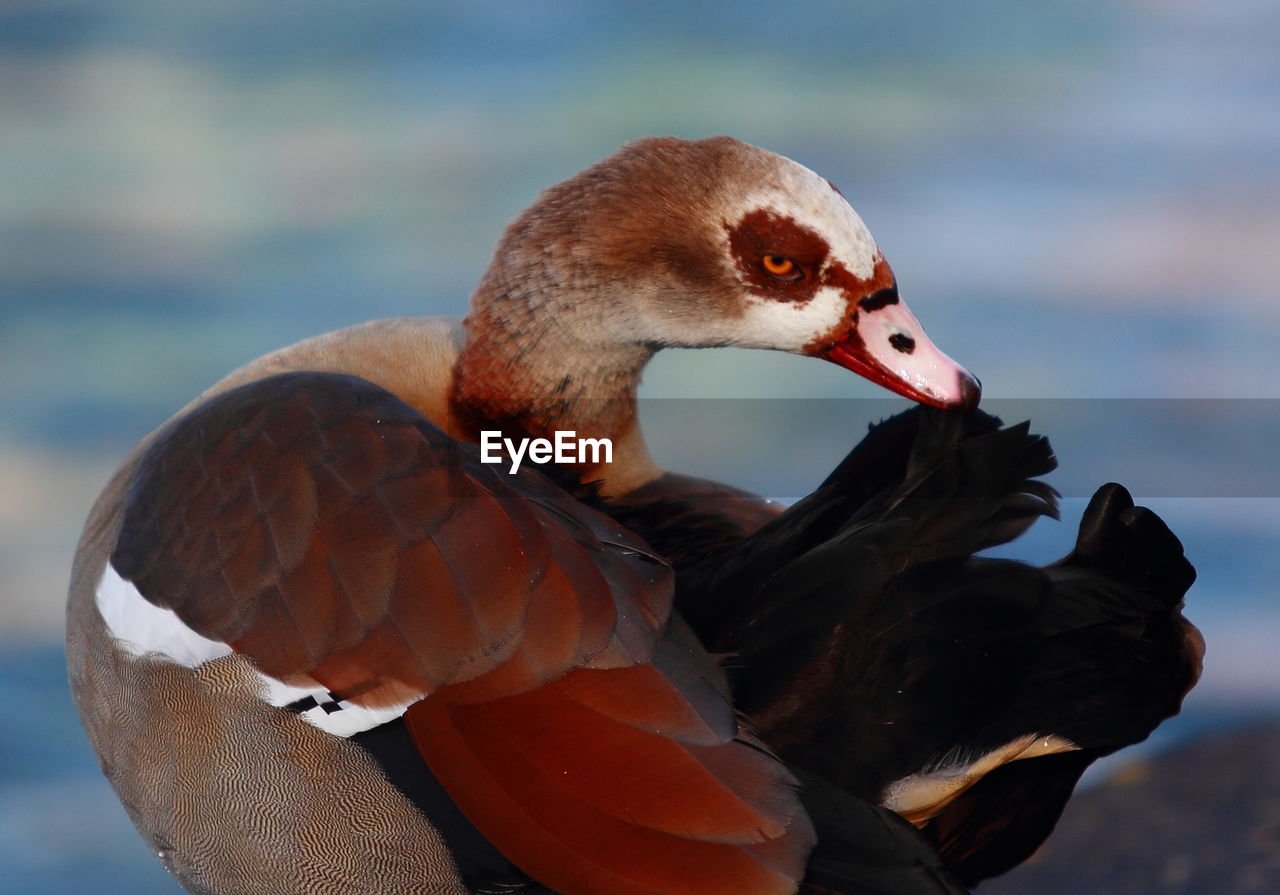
(321, 641)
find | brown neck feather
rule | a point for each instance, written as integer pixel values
(531, 374)
(538, 382)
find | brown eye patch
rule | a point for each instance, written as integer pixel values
(777, 257)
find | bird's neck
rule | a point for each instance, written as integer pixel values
(533, 372)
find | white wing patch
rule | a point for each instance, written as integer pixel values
(144, 629)
(336, 716)
(921, 796)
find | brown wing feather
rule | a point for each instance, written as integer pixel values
(323, 527)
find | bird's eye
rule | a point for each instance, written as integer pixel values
(781, 267)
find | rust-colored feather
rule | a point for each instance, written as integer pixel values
(591, 803)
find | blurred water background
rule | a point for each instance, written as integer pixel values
(1081, 201)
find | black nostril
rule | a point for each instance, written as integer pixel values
(902, 342)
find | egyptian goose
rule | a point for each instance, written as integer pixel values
(321, 645)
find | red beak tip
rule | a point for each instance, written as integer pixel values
(970, 392)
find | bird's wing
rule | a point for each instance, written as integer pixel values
(864, 849)
(315, 522)
(922, 486)
(322, 527)
(1113, 658)
(876, 650)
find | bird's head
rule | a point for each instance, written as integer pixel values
(676, 243)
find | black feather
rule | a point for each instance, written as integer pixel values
(922, 486)
(864, 849)
(869, 643)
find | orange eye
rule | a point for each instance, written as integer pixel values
(780, 266)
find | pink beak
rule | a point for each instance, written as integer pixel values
(888, 346)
